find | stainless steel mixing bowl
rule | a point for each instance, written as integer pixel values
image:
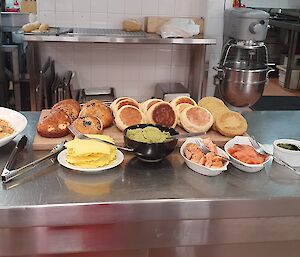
(241, 84)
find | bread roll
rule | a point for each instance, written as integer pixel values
(132, 25)
(70, 107)
(88, 125)
(44, 27)
(98, 109)
(54, 125)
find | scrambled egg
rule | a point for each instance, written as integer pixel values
(90, 153)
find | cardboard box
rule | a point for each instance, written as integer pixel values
(28, 6)
(295, 78)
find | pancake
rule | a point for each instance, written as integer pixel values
(88, 125)
(128, 116)
(162, 113)
(196, 119)
(231, 124)
(97, 109)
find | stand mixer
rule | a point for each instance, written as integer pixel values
(243, 68)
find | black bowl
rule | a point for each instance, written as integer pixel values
(151, 152)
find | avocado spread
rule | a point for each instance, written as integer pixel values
(148, 135)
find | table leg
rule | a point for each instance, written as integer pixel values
(16, 77)
(291, 58)
(197, 83)
(33, 64)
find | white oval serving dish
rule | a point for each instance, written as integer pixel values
(241, 165)
(200, 168)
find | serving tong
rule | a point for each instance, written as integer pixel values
(9, 173)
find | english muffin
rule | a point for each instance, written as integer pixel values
(196, 119)
(231, 124)
(162, 113)
(128, 116)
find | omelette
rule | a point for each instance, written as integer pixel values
(90, 153)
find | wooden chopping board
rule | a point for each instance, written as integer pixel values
(43, 143)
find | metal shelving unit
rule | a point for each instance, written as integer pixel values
(197, 82)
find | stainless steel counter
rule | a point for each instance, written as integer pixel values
(147, 206)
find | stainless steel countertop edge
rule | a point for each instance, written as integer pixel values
(150, 39)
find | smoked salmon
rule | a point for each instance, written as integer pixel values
(210, 160)
(246, 154)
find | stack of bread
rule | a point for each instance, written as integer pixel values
(127, 112)
(92, 118)
(182, 111)
(190, 116)
(226, 122)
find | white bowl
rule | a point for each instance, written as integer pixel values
(200, 168)
(245, 167)
(289, 156)
(16, 120)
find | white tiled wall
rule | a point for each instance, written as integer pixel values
(132, 69)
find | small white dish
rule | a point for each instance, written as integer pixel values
(62, 160)
(290, 157)
(241, 165)
(200, 168)
(17, 121)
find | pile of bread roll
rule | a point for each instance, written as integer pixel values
(182, 111)
(94, 116)
(226, 122)
(91, 118)
(35, 27)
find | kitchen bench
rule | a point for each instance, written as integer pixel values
(163, 209)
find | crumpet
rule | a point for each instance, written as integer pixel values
(231, 124)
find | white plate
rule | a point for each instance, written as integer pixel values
(62, 160)
(16, 120)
